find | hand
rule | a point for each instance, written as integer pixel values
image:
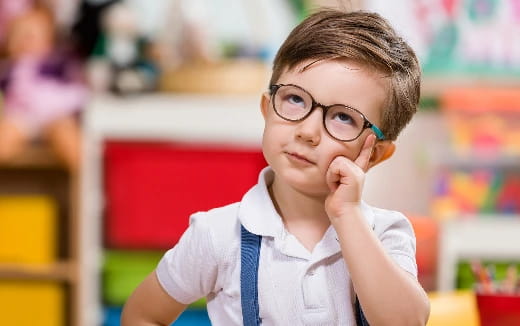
(346, 178)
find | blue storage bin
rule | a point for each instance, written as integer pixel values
(193, 317)
(112, 316)
(190, 317)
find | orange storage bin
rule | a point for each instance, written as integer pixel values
(427, 241)
(28, 303)
(28, 229)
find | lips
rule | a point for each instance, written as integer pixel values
(299, 157)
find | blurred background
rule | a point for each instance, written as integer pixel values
(118, 119)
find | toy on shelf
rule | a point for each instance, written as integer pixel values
(476, 192)
(481, 172)
(8, 10)
(42, 88)
(121, 61)
(484, 123)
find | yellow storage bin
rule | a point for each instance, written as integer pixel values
(28, 232)
(28, 303)
(454, 308)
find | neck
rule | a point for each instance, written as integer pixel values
(303, 215)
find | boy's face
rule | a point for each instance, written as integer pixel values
(300, 152)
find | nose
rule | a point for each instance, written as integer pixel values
(310, 129)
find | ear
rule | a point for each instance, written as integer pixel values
(382, 151)
(264, 104)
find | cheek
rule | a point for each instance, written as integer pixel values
(349, 150)
(266, 147)
(270, 142)
(276, 133)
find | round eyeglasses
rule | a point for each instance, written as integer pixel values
(293, 103)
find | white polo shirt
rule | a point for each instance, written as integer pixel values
(295, 286)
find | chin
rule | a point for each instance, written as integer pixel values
(313, 192)
(303, 183)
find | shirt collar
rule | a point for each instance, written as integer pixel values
(259, 216)
(257, 212)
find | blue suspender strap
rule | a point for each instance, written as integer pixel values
(249, 257)
(360, 316)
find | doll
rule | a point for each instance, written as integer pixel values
(120, 60)
(9, 9)
(42, 89)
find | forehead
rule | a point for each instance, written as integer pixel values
(341, 81)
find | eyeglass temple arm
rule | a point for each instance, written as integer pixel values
(375, 129)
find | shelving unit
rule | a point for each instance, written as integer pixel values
(37, 171)
(61, 271)
(233, 121)
(476, 196)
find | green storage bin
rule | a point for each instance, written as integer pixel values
(124, 270)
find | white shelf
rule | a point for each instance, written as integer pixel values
(434, 84)
(490, 237)
(450, 159)
(235, 120)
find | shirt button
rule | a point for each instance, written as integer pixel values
(312, 273)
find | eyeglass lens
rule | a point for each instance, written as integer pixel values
(342, 122)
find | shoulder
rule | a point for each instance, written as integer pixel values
(217, 218)
(396, 234)
(385, 220)
(198, 264)
(221, 226)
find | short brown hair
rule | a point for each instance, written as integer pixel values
(366, 38)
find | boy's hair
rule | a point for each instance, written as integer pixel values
(366, 38)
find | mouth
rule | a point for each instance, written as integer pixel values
(299, 157)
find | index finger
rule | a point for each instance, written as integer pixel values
(364, 156)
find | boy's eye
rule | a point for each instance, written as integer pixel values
(296, 100)
(344, 118)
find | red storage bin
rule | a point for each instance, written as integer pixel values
(153, 188)
(499, 309)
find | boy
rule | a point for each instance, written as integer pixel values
(343, 87)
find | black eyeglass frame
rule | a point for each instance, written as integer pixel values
(366, 124)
